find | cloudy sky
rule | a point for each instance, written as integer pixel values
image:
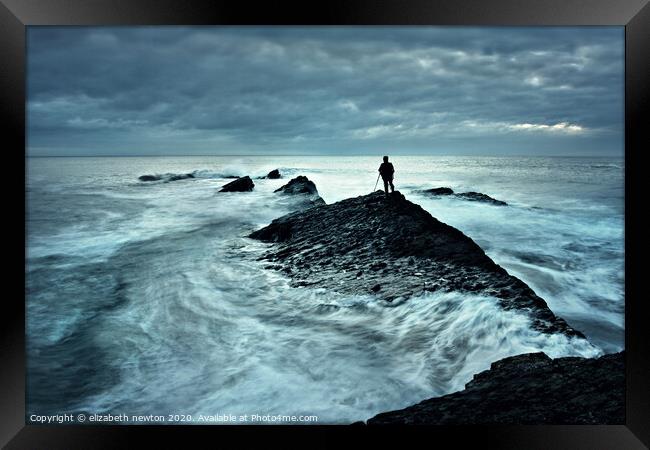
(325, 90)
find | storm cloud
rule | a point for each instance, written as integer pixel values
(332, 90)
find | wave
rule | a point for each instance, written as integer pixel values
(226, 173)
(190, 322)
(605, 166)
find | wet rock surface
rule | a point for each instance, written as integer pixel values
(471, 196)
(529, 389)
(273, 175)
(242, 184)
(299, 185)
(304, 190)
(392, 248)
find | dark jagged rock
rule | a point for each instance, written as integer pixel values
(529, 389)
(358, 243)
(303, 187)
(299, 185)
(478, 197)
(242, 184)
(273, 175)
(437, 191)
(472, 196)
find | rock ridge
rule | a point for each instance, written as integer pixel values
(528, 389)
(392, 248)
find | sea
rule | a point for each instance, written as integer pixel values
(147, 297)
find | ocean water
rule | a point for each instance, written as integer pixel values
(146, 298)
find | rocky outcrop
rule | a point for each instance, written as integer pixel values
(528, 389)
(273, 175)
(299, 185)
(304, 189)
(471, 196)
(242, 184)
(392, 248)
(166, 177)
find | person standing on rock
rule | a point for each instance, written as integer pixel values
(386, 170)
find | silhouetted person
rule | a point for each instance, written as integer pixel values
(386, 170)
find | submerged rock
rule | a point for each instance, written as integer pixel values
(181, 177)
(393, 248)
(303, 187)
(167, 177)
(529, 389)
(242, 184)
(149, 177)
(472, 196)
(478, 197)
(437, 191)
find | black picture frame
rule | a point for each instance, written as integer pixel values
(16, 15)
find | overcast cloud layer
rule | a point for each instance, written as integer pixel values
(333, 90)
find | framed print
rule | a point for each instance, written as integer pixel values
(387, 219)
